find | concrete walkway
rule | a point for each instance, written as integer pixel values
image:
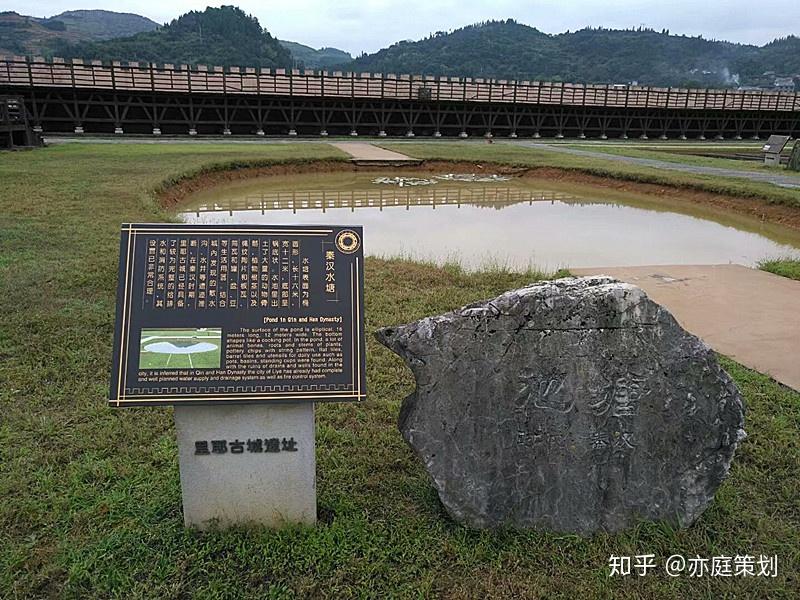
(364, 153)
(750, 315)
(774, 178)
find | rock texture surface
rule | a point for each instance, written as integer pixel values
(575, 405)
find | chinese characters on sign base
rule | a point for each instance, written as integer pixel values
(252, 446)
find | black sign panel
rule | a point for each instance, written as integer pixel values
(775, 144)
(238, 313)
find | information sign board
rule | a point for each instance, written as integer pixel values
(238, 313)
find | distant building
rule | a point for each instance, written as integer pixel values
(784, 84)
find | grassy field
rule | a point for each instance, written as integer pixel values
(91, 496)
(527, 157)
(687, 155)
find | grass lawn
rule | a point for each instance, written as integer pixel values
(785, 267)
(529, 157)
(91, 496)
(686, 156)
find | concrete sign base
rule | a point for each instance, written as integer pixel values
(247, 464)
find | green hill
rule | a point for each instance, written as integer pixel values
(216, 36)
(316, 59)
(781, 56)
(511, 50)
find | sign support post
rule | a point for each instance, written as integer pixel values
(271, 486)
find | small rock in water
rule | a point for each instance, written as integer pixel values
(472, 177)
(575, 405)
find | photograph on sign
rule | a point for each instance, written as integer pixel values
(173, 348)
(238, 313)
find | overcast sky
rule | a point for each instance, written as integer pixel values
(368, 25)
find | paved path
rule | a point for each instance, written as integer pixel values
(363, 152)
(775, 178)
(750, 315)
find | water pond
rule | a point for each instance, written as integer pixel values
(482, 221)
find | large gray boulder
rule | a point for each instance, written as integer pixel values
(574, 405)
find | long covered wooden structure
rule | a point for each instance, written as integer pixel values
(95, 97)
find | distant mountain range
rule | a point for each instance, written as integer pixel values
(511, 50)
(324, 58)
(21, 34)
(494, 49)
(103, 24)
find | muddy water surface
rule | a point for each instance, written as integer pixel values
(520, 222)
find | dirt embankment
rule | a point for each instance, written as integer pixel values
(788, 216)
(753, 207)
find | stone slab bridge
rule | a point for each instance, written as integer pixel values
(144, 98)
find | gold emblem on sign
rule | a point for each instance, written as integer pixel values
(347, 241)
